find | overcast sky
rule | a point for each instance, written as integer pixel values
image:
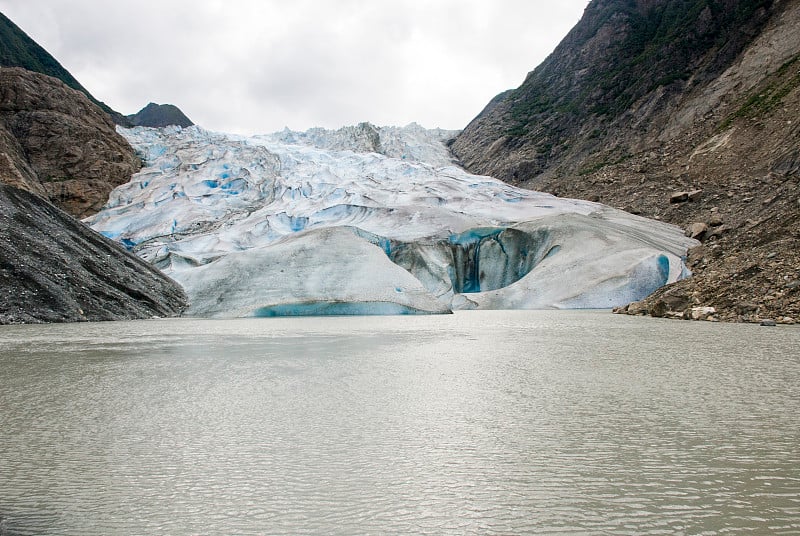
(251, 66)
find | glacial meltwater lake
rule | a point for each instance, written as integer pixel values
(506, 422)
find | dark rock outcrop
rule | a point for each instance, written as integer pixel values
(648, 98)
(159, 115)
(55, 142)
(54, 268)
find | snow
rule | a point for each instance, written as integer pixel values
(369, 220)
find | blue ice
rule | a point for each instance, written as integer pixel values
(473, 236)
(156, 151)
(381, 241)
(647, 277)
(235, 186)
(325, 308)
(295, 223)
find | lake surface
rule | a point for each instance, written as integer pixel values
(474, 423)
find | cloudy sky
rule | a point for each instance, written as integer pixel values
(252, 66)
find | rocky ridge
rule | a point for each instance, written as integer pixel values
(714, 150)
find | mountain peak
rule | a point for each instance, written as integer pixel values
(160, 115)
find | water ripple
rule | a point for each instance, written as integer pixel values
(475, 423)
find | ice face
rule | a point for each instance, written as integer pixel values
(368, 220)
(330, 270)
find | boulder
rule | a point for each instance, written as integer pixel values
(695, 195)
(746, 308)
(670, 302)
(697, 230)
(702, 313)
(637, 308)
(679, 197)
(658, 309)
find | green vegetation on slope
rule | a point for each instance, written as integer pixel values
(19, 50)
(654, 45)
(767, 98)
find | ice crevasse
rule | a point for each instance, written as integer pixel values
(368, 220)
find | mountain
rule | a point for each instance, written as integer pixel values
(614, 78)
(680, 110)
(159, 115)
(369, 220)
(19, 50)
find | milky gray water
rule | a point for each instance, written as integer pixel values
(474, 423)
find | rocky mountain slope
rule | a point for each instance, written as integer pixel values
(55, 142)
(54, 268)
(685, 111)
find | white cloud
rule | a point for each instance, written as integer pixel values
(258, 65)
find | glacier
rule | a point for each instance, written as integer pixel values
(370, 220)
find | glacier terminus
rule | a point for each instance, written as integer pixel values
(369, 220)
